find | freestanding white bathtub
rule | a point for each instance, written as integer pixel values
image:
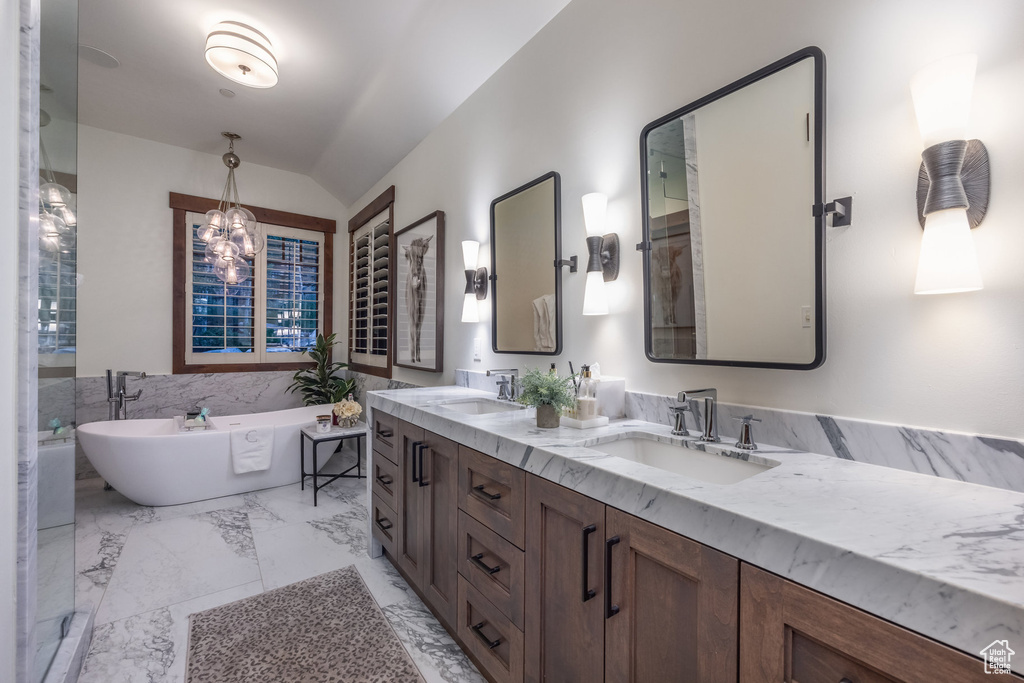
(152, 463)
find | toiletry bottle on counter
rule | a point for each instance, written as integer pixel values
(587, 403)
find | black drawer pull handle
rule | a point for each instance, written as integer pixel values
(610, 610)
(415, 445)
(423, 476)
(384, 479)
(477, 560)
(380, 523)
(588, 593)
(385, 433)
(477, 629)
(484, 494)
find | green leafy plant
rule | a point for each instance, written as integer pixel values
(321, 383)
(540, 387)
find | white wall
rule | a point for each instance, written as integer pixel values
(9, 69)
(574, 100)
(124, 244)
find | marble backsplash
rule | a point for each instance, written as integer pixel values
(977, 459)
(952, 455)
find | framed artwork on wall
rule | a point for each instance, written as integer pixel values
(418, 255)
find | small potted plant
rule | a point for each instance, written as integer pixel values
(321, 385)
(549, 393)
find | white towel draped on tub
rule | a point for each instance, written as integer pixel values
(252, 448)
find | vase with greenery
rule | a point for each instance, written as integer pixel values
(549, 393)
(321, 383)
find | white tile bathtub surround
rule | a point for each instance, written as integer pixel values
(936, 556)
(28, 301)
(977, 459)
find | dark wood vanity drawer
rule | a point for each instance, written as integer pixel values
(385, 435)
(385, 481)
(494, 493)
(791, 634)
(493, 566)
(384, 524)
(489, 636)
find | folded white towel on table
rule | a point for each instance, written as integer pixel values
(252, 448)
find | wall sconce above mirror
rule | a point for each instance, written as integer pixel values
(953, 181)
(733, 222)
(526, 268)
(476, 282)
(603, 250)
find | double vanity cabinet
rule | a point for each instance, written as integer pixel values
(537, 582)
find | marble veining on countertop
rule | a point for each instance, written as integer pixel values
(943, 558)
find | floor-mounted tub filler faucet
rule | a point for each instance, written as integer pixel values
(117, 394)
(710, 397)
(506, 382)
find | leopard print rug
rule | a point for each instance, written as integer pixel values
(327, 629)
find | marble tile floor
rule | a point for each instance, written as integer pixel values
(147, 569)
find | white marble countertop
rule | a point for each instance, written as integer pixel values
(940, 557)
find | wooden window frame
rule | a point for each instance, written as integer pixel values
(384, 202)
(181, 204)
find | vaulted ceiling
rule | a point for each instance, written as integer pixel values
(362, 82)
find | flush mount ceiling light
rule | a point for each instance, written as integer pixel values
(243, 54)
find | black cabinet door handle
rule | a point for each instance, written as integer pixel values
(384, 479)
(423, 475)
(588, 593)
(610, 610)
(481, 493)
(415, 445)
(384, 433)
(478, 561)
(477, 629)
(380, 523)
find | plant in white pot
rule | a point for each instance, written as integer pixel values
(549, 393)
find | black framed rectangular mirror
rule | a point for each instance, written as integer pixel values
(734, 270)
(526, 285)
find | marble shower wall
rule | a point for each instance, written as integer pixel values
(28, 320)
(952, 455)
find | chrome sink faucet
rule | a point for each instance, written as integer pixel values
(710, 397)
(506, 383)
(679, 419)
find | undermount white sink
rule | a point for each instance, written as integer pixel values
(707, 467)
(481, 406)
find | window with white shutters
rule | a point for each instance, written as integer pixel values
(268, 320)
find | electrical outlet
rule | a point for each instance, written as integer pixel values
(478, 346)
(806, 317)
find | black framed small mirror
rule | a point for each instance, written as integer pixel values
(526, 283)
(733, 251)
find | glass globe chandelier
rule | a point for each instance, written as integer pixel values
(57, 220)
(230, 231)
